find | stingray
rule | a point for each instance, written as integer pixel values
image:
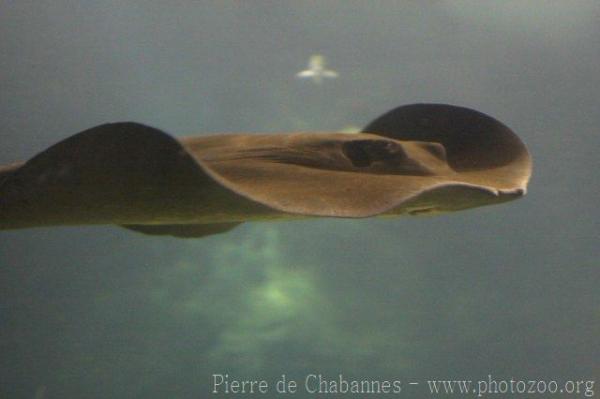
(416, 159)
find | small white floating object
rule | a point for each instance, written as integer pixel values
(316, 70)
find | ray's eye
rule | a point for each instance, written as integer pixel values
(363, 153)
(435, 149)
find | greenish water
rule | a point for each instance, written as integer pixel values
(508, 291)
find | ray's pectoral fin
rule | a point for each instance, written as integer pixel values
(122, 173)
(182, 230)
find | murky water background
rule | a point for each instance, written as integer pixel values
(508, 290)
